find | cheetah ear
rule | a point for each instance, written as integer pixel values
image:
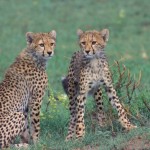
(105, 34)
(79, 32)
(53, 34)
(29, 37)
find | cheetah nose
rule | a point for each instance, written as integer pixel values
(49, 53)
(87, 51)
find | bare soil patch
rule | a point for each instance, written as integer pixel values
(138, 143)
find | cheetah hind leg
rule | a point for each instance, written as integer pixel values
(10, 127)
(72, 123)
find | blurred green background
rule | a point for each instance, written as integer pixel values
(127, 20)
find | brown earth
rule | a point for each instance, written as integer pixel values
(138, 143)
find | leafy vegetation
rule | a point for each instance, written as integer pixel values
(129, 25)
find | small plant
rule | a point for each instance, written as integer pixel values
(125, 84)
(126, 87)
(54, 100)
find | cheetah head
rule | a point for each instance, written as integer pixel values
(41, 45)
(92, 43)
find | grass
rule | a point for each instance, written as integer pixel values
(129, 25)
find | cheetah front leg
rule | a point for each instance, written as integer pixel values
(84, 88)
(34, 106)
(76, 111)
(72, 108)
(113, 98)
(80, 126)
(25, 136)
(35, 121)
(99, 105)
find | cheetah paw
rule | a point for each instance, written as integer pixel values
(21, 145)
(131, 127)
(68, 138)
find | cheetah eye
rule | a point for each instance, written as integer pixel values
(52, 44)
(42, 45)
(83, 43)
(93, 42)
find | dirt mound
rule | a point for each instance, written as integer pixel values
(138, 143)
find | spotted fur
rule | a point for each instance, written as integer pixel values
(88, 72)
(23, 88)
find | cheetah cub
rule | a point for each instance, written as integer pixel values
(23, 88)
(89, 71)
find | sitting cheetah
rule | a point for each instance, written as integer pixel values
(23, 88)
(87, 72)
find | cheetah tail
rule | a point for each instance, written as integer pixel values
(64, 81)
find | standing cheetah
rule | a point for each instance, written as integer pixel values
(23, 88)
(87, 72)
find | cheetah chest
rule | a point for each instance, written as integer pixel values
(96, 70)
(95, 74)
